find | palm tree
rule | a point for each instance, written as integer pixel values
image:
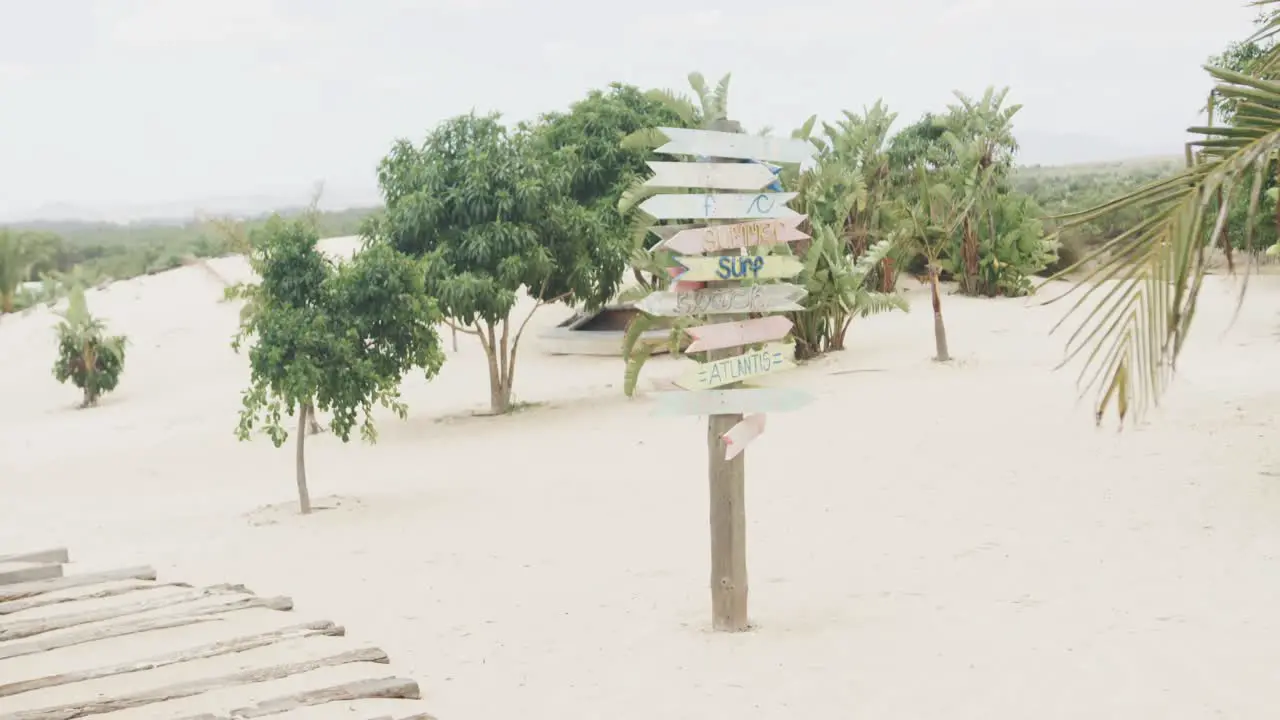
(1147, 280)
(930, 214)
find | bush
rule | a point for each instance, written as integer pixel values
(92, 360)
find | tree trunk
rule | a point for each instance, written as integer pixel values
(939, 330)
(499, 401)
(304, 496)
(6, 302)
(313, 425)
(969, 249)
(90, 357)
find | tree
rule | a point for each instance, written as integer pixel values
(335, 338)
(1150, 276)
(930, 217)
(17, 257)
(92, 360)
(491, 211)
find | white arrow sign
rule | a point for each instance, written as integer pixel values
(778, 297)
(715, 176)
(720, 206)
(712, 143)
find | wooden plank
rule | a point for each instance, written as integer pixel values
(734, 334)
(197, 687)
(91, 592)
(693, 240)
(777, 297)
(234, 645)
(714, 176)
(50, 555)
(724, 402)
(185, 616)
(737, 267)
(666, 232)
(773, 358)
(735, 145)
(20, 629)
(23, 572)
(742, 434)
(682, 286)
(380, 688)
(719, 206)
(29, 589)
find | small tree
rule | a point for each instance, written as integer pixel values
(491, 211)
(930, 216)
(337, 338)
(87, 356)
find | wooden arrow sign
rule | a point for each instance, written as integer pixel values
(712, 143)
(741, 435)
(731, 402)
(666, 232)
(678, 286)
(733, 334)
(719, 206)
(737, 267)
(773, 358)
(714, 176)
(779, 297)
(698, 239)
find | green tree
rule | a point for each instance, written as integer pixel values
(87, 356)
(1139, 298)
(333, 338)
(491, 211)
(17, 258)
(930, 216)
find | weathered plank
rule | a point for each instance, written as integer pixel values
(734, 334)
(196, 687)
(696, 239)
(742, 434)
(30, 589)
(23, 572)
(778, 297)
(740, 267)
(731, 402)
(90, 592)
(223, 647)
(713, 143)
(710, 175)
(38, 626)
(185, 616)
(772, 358)
(51, 555)
(391, 687)
(719, 206)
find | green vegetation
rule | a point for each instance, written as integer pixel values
(87, 356)
(329, 337)
(1132, 333)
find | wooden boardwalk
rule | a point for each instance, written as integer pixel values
(122, 645)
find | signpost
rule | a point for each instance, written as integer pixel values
(720, 206)
(693, 240)
(770, 222)
(740, 267)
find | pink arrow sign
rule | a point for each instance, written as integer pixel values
(741, 435)
(683, 285)
(733, 334)
(738, 235)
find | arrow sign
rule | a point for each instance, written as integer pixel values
(733, 334)
(666, 232)
(720, 206)
(778, 297)
(698, 239)
(737, 267)
(741, 435)
(735, 145)
(773, 358)
(731, 402)
(715, 176)
(677, 286)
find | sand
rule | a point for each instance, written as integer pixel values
(925, 541)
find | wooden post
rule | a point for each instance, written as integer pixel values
(726, 480)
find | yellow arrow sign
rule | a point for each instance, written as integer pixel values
(753, 364)
(738, 267)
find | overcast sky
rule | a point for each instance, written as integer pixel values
(113, 104)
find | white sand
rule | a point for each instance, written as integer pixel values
(926, 541)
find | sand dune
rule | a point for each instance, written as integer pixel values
(926, 541)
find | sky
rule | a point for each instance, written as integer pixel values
(135, 107)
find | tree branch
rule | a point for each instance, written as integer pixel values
(459, 328)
